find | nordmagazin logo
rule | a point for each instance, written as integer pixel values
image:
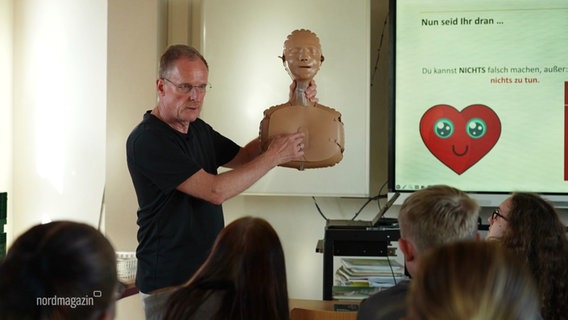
(71, 302)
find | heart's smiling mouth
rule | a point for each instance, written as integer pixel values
(457, 153)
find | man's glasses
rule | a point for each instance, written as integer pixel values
(186, 87)
(497, 213)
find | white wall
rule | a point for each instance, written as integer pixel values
(6, 114)
(136, 39)
(59, 108)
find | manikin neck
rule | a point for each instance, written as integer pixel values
(299, 97)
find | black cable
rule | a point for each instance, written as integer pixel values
(377, 197)
(102, 209)
(319, 210)
(390, 266)
(362, 207)
(379, 49)
(381, 189)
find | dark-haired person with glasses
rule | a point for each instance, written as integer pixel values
(530, 226)
(173, 157)
(497, 222)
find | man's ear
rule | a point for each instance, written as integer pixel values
(407, 249)
(160, 86)
(322, 58)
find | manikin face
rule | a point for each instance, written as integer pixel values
(303, 55)
(179, 108)
(498, 220)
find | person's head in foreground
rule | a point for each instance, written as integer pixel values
(472, 280)
(243, 278)
(59, 270)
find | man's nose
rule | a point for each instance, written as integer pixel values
(193, 94)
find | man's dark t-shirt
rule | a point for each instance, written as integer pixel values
(176, 231)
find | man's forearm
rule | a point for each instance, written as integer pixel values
(233, 182)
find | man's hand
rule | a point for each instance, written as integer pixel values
(287, 147)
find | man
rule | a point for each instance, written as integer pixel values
(428, 218)
(173, 157)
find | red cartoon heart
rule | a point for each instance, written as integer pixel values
(460, 139)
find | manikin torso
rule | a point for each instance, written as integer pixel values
(321, 125)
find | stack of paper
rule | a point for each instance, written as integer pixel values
(357, 278)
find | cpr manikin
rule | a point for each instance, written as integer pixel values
(322, 126)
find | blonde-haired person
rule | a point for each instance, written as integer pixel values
(244, 278)
(428, 218)
(530, 226)
(472, 280)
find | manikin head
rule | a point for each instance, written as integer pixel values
(302, 55)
